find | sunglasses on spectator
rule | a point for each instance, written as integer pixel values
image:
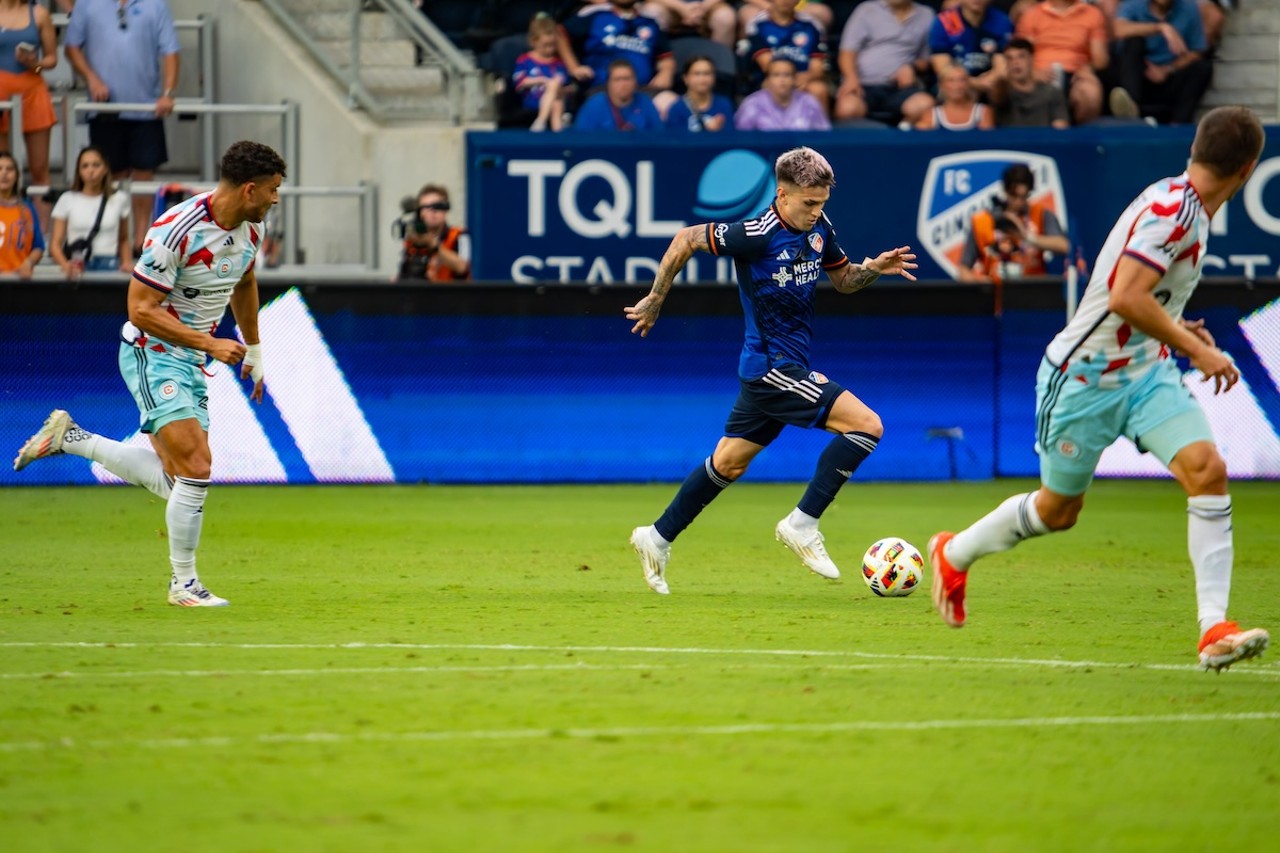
(435, 205)
(120, 17)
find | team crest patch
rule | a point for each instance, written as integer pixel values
(1068, 448)
(168, 390)
(815, 240)
(956, 186)
(817, 378)
(224, 268)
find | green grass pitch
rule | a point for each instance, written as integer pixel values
(441, 668)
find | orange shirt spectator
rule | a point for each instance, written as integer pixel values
(1063, 33)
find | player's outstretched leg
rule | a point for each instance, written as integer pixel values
(654, 552)
(1224, 644)
(46, 442)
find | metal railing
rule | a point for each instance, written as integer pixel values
(463, 82)
(290, 147)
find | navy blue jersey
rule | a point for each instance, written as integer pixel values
(778, 270)
(600, 36)
(798, 41)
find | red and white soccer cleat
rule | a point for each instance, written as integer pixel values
(1224, 644)
(948, 582)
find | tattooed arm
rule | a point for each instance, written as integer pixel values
(683, 245)
(851, 277)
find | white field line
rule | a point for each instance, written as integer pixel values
(395, 670)
(637, 731)
(1255, 667)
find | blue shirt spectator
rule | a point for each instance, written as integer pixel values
(605, 33)
(683, 115)
(619, 107)
(123, 46)
(1183, 16)
(972, 34)
(797, 40)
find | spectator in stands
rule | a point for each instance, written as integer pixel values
(1071, 48)
(1010, 240)
(127, 53)
(779, 105)
(779, 33)
(600, 34)
(28, 48)
(814, 11)
(1214, 17)
(1161, 62)
(621, 106)
(21, 240)
(959, 109)
(883, 51)
(434, 250)
(973, 34)
(1025, 101)
(91, 221)
(701, 108)
(714, 19)
(541, 77)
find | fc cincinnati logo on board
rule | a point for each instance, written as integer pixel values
(956, 186)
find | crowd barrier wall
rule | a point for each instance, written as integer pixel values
(602, 208)
(371, 382)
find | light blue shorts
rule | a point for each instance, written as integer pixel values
(166, 388)
(1076, 421)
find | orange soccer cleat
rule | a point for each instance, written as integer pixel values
(1224, 644)
(948, 582)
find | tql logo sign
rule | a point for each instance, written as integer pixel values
(956, 186)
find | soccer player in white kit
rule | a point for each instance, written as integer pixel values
(197, 258)
(1109, 373)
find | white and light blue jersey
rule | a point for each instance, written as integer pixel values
(1167, 229)
(197, 263)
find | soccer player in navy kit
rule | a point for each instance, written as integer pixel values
(779, 256)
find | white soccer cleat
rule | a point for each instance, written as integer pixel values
(653, 558)
(808, 547)
(195, 595)
(46, 442)
(1225, 644)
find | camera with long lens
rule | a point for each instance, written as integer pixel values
(408, 220)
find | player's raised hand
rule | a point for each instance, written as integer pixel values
(645, 314)
(897, 261)
(1215, 364)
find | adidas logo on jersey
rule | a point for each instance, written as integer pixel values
(784, 255)
(230, 241)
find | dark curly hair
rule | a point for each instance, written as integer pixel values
(246, 161)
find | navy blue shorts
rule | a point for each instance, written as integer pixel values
(788, 394)
(129, 144)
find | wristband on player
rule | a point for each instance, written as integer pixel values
(253, 358)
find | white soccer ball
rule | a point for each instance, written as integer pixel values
(893, 567)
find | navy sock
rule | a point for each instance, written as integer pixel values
(836, 465)
(699, 489)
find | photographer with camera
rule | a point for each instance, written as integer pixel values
(434, 250)
(1010, 241)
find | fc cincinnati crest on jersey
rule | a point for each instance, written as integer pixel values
(815, 240)
(956, 186)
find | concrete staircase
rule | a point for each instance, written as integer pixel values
(1247, 69)
(406, 82)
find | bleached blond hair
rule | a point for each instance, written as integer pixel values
(803, 167)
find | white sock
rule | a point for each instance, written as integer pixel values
(657, 538)
(1209, 543)
(999, 530)
(185, 516)
(802, 520)
(137, 465)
